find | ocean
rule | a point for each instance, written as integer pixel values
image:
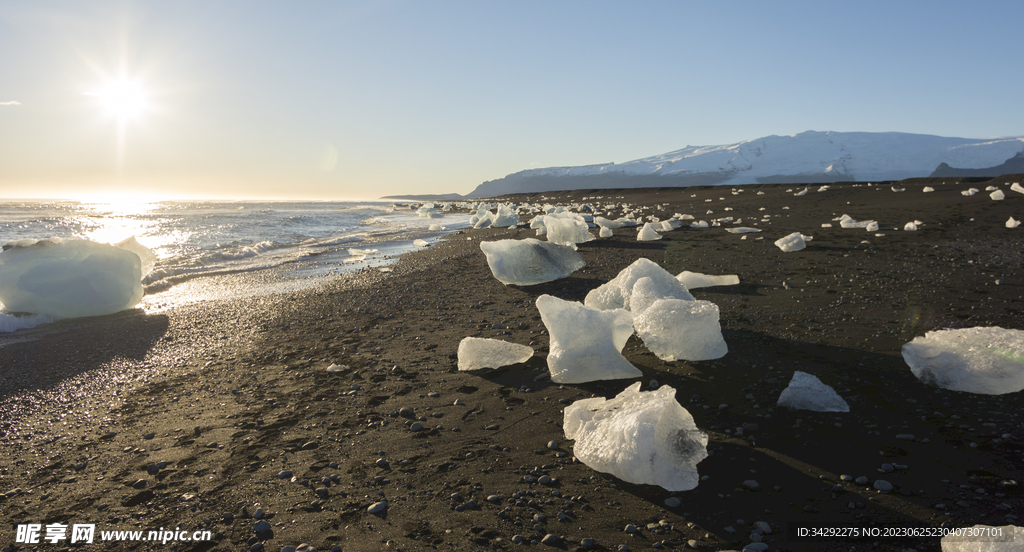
(228, 249)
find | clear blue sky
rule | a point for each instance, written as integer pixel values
(361, 99)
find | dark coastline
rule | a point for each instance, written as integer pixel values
(232, 393)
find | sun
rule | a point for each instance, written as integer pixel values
(121, 98)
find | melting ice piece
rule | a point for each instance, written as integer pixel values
(674, 329)
(806, 392)
(983, 360)
(793, 242)
(742, 230)
(910, 226)
(1017, 187)
(435, 228)
(586, 343)
(647, 290)
(648, 232)
(505, 217)
(1009, 538)
(1010, 223)
(420, 243)
(615, 294)
(872, 227)
(969, 192)
(846, 221)
(362, 252)
(567, 229)
(695, 280)
(928, 189)
(67, 278)
(476, 353)
(639, 436)
(530, 261)
(997, 195)
(146, 256)
(605, 232)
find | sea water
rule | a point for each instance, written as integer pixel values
(229, 249)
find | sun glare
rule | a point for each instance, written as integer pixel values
(121, 98)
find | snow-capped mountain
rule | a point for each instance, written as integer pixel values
(801, 158)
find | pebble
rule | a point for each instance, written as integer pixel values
(551, 540)
(846, 478)
(861, 480)
(751, 485)
(381, 463)
(755, 547)
(433, 394)
(310, 445)
(553, 445)
(258, 547)
(491, 427)
(883, 485)
(258, 514)
(377, 507)
(261, 526)
(905, 437)
(587, 543)
(406, 412)
(518, 539)
(416, 426)
(459, 402)
(631, 529)
(494, 498)
(284, 474)
(672, 502)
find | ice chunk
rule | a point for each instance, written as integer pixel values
(793, 242)
(435, 228)
(648, 233)
(695, 280)
(476, 353)
(806, 392)
(605, 232)
(997, 195)
(616, 293)
(872, 227)
(420, 243)
(846, 221)
(567, 229)
(676, 329)
(910, 226)
(983, 360)
(742, 230)
(586, 343)
(984, 538)
(801, 192)
(639, 436)
(530, 261)
(969, 192)
(504, 217)
(146, 256)
(67, 278)
(1017, 187)
(928, 189)
(647, 290)
(1012, 223)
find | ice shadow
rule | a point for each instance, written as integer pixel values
(43, 358)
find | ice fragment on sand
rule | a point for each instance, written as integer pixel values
(647, 290)
(997, 195)
(585, 343)
(1017, 187)
(793, 242)
(435, 228)
(67, 278)
(846, 221)
(476, 353)
(420, 243)
(1010, 223)
(983, 360)
(681, 330)
(639, 436)
(928, 189)
(1009, 538)
(563, 228)
(806, 392)
(605, 232)
(742, 230)
(530, 261)
(694, 280)
(910, 226)
(648, 233)
(615, 294)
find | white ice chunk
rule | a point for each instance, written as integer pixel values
(504, 217)
(1012, 223)
(793, 242)
(605, 232)
(928, 189)
(435, 228)
(648, 233)
(530, 261)
(695, 280)
(872, 227)
(67, 278)
(742, 230)
(647, 290)
(699, 224)
(420, 243)
(586, 343)
(997, 195)
(676, 329)
(969, 192)
(146, 256)
(362, 252)
(806, 392)
(476, 353)
(983, 360)
(567, 229)
(846, 221)
(984, 538)
(1017, 187)
(910, 226)
(641, 437)
(616, 293)
(801, 192)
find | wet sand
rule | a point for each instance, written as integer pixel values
(194, 416)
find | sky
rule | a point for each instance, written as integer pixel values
(357, 100)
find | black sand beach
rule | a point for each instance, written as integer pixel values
(199, 417)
